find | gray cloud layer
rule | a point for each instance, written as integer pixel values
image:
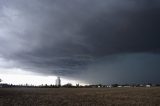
(68, 37)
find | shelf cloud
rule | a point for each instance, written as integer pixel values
(98, 41)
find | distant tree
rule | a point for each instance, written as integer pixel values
(115, 85)
(0, 80)
(46, 85)
(77, 85)
(157, 85)
(69, 85)
(26, 84)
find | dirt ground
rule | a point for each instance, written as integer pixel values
(79, 96)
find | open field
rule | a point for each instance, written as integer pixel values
(79, 96)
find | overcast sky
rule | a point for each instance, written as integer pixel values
(94, 41)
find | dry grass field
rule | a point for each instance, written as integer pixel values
(80, 97)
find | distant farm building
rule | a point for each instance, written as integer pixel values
(148, 86)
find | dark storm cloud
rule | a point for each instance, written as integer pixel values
(127, 68)
(124, 31)
(67, 37)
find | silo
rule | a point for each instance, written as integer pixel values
(58, 81)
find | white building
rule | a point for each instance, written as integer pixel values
(58, 81)
(119, 86)
(148, 86)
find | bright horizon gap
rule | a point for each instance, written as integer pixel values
(22, 77)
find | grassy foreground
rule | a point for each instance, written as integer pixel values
(79, 96)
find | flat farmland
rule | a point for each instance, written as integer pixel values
(80, 96)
